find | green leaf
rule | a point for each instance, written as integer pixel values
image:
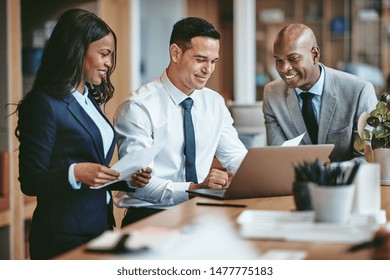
(382, 107)
(366, 135)
(373, 121)
(377, 143)
(359, 144)
(386, 132)
(379, 132)
(376, 113)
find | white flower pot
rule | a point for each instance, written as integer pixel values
(382, 156)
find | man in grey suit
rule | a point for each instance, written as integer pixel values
(336, 99)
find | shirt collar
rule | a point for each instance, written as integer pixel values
(81, 97)
(318, 87)
(176, 95)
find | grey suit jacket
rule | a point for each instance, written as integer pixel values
(344, 98)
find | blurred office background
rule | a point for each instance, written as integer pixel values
(353, 35)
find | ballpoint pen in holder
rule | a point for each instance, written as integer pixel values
(328, 187)
(325, 175)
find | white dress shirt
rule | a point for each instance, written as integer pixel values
(317, 90)
(105, 130)
(157, 104)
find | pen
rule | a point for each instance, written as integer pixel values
(221, 204)
(376, 242)
(353, 173)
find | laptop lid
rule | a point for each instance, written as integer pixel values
(268, 171)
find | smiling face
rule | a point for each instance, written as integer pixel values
(296, 57)
(97, 61)
(191, 69)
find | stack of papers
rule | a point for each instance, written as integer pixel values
(301, 227)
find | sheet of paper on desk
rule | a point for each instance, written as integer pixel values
(277, 254)
(157, 239)
(211, 237)
(293, 142)
(301, 227)
(208, 237)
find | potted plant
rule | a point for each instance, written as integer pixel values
(374, 136)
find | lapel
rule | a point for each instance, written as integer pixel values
(328, 106)
(111, 150)
(296, 114)
(87, 123)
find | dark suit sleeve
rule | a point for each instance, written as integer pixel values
(37, 127)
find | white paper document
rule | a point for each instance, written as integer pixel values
(130, 163)
(133, 161)
(300, 226)
(293, 142)
(137, 159)
(277, 254)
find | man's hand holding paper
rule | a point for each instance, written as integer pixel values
(141, 178)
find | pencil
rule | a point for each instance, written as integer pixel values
(374, 243)
(220, 204)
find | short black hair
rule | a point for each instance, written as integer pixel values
(186, 29)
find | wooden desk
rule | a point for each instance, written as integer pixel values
(183, 214)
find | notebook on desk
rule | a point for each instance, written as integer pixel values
(267, 171)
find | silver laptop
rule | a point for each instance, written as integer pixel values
(268, 171)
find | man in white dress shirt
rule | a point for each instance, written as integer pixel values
(194, 51)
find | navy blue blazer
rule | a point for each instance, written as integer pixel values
(54, 133)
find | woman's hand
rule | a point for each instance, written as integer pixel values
(141, 178)
(94, 174)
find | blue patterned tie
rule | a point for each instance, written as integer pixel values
(309, 116)
(189, 137)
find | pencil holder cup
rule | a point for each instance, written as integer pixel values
(332, 204)
(301, 195)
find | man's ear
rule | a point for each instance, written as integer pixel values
(175, 52)
(315, 51)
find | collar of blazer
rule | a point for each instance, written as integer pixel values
(328, 106)
(89, 125)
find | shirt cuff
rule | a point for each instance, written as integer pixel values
(72, 180)
(132, 189)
